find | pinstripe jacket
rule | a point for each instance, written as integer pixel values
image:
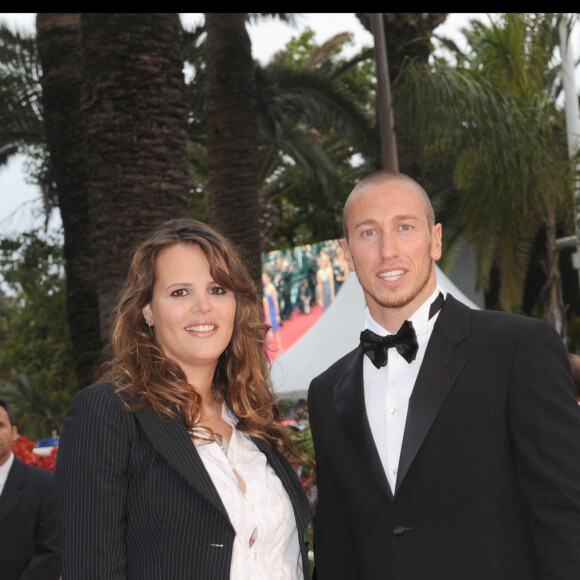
(136, 502)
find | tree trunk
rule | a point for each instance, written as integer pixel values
(59, 47)
(407, 36)
(232, 140)
(134, 105)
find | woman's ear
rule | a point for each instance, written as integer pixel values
(147, 314)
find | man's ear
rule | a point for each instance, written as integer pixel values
(436, 242)
(348, 255)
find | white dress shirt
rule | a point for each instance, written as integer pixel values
(4, 470)
(264, 512)
(387, 390)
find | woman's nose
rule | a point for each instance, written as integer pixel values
(200, 303)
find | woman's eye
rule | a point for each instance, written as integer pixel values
(179, 292)
(217, 290)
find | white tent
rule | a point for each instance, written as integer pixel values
(336, 333)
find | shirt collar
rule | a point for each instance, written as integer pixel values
(4, 469)
(420, 318)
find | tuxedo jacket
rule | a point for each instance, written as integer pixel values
(136, 502)
(29, 548)
(488, 484)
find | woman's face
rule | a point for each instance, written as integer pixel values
(192, 315)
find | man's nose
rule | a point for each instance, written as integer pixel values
(389, 246)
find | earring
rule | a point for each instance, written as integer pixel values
(150, 327)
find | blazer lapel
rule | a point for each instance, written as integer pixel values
(171, 439)
(441, 367)
(351, 410)
(13, 489)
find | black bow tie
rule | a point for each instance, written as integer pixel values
(405, 341)
(377, 347)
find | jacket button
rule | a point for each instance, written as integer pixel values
(400, 530)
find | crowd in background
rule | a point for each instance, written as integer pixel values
(305, 276)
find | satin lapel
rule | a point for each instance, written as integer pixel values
(291, 484)
(13, 489)
(441, 367)
(172, 441)
(351, 410)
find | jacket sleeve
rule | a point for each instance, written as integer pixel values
(45, 563)
(545, 430)
(91, 485)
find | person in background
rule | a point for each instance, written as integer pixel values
(272, 312)
(447, 443)
(305, 297)
(29, 537)
(325, 279)
(340, 268)
(310, 268)
(287, 280)
(175, 465)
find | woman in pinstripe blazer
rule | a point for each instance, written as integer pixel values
(176, 464)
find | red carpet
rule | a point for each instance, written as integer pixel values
(293, 328)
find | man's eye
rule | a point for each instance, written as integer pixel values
(217, 290)
(405, 227)
(368, 233)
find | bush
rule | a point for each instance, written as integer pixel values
(23, 449)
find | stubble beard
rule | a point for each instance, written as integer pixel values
(399, 302)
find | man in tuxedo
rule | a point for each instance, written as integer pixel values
(29, 547)
(451, 449)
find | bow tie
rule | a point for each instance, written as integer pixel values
(377, 347)
(405, 341)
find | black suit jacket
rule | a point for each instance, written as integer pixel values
(488, 484)
(136, 502)
(29, 548)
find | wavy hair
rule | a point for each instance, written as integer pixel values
(143, 375)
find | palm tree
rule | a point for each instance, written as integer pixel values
(134, 106)
(495, 124)
(310, 125)
(20, 107)
(59, 46)
(408, 37)
(232, 137)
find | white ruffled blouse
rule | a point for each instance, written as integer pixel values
(263, 513)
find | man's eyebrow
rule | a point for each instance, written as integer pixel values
(365, 222)
(397, 218)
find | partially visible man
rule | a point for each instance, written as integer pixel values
(447, 444)
(29, 539)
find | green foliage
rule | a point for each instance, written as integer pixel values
(37, 361)
(317, 128)
(492, 124)
(303, 441)
(314, 121)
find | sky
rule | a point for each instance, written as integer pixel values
(20, 205)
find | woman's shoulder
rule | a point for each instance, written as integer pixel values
(98, 395)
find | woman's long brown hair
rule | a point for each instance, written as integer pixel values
(140, 370)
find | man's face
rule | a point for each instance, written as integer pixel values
(8, 434)
(392, 248)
